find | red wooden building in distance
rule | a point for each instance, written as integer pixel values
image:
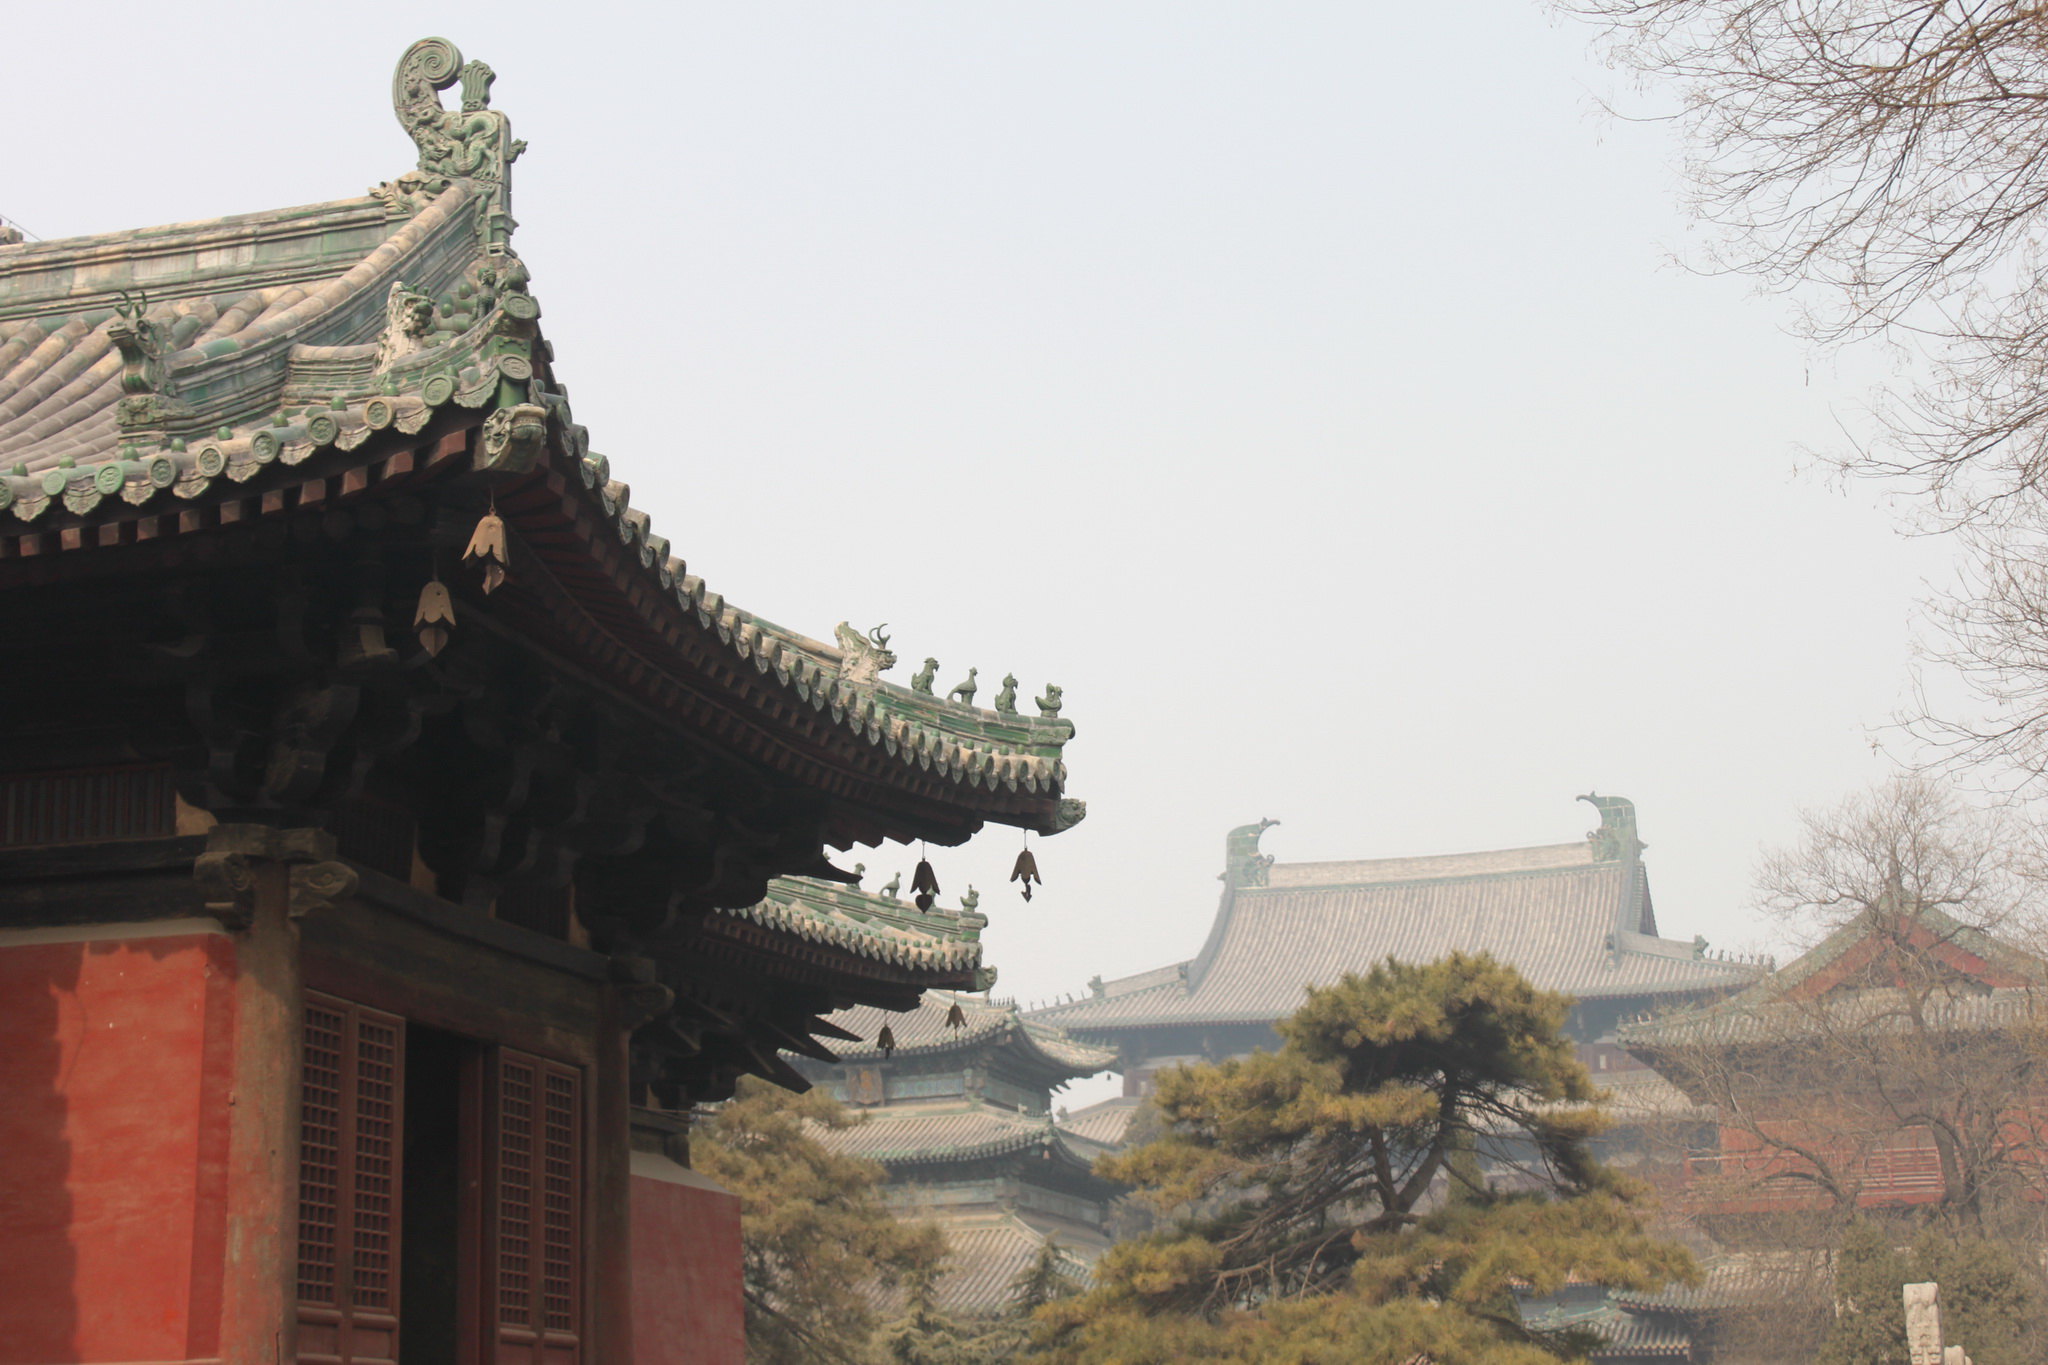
(1893, 1069)
(370, 911)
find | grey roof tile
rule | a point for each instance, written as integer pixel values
(1567, 922)
(1104, 1123)
(926, 1030)
(990, 1252)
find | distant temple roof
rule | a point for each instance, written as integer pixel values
(1106, 1121)
(990, 1252)
(1571, 917)
(1997, 985)
(951, 1131)
(930, 1028)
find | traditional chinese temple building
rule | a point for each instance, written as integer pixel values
(957, 1105)
(390, 821)
(1892, 1067)
(1574, 917)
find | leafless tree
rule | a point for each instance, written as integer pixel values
(1895, 152)
(1907, 845)
(1901, 1064)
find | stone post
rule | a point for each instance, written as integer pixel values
(1923, 1328)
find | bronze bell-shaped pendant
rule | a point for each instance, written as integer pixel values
(886, 1041)
(1026, 871)
(487, 548)
(434, 622)
(924, 885)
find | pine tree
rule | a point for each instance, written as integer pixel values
(819, 1246)
(1314, 1188)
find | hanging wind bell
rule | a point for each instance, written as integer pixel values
(487, 547)
(434, 622)
(886, 1041)
(1026, 870)
(924, 884)
(956, 1018)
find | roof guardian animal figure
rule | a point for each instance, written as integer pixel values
(964, 693)
(1006, 700)
(922, 680)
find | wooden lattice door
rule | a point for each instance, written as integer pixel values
(535, 1142)
(350, 1145)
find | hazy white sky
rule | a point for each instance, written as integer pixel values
(1303, 387)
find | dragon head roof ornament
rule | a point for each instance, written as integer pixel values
(473, 143)
(1615, 840)
(1243, 864)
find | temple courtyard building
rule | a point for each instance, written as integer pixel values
(955, 1100)
(1574, 917)
(397, 838)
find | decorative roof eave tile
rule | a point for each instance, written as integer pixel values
(1000, 766)
(957, 1136)
(997, 761)
(870, 927)
(927, 1030)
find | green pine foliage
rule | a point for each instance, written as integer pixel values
(1326, 1197)
(1990, 1303)
(927, 1335)
(819, 1247)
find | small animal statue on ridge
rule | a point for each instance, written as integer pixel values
(964, 693)
(922, 681)
(1049, 704)
(894, 885)
(1006, 700)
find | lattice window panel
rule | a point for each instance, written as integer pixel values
(537, 1188)
(86, 807)
(350, 1143)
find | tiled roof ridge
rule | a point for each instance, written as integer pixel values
(991, 1249)
(1070, 1052)
(217, 436)
(1770, 988)
(920, 1032)
(1176, 985)
(967, 746)
(125, 244)
(819, 913)
(1113, 1113)
(980, 1021)
(1015, 1132)
(1476, 863)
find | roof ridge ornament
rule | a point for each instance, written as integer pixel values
(1243, 864)
(1615, 841)
(472, 143)
(863, 658)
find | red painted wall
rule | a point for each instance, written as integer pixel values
(687, 1308)
(115, 1066)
